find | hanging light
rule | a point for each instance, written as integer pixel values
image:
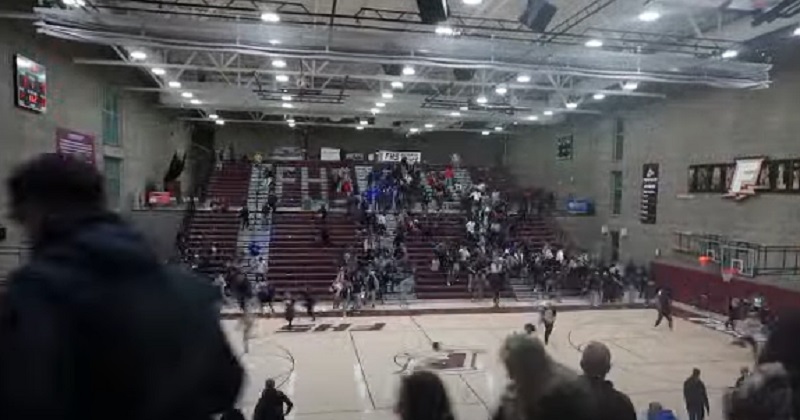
(481, 100)
(387, 95)
(278, 63)
(599, 96)
(270, 17)
(523, 78)
(630, 86)
(397, 85)
(282, 78)
(409, 71)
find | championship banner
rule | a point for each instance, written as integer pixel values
(648, 209)
(77, 145)
(330, 154)
(388, 156)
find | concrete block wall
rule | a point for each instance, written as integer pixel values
(149, 135)
(436, 147)
(694, 127)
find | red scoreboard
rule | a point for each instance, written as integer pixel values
(31, 83)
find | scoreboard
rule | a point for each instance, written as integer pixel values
(31, 84)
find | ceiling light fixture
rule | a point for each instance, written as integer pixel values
(599, 96)
(730, 54)
(649, 16)
(498, 129)
(472, 2)
(455, 114)
(481, 100)
(444, 30)
(74, 3)
(429, 125)
(375, 110)
(533, 118)
(287, 105)
(282, 78)
(292, 125)
(397, 85)
(279, 63)
(286, 98)
(174, 84)
(523, 78)
(158, 71)
(380, 104)
(387, 95)
(274, 42)
(409, 71)
(270, 17)
(195, 102)
(290, 121)
(571, 105)
(360, 127)
(485, 132)
(220, 122)
(363, 122)
(630, 86)
(413, 130)
(213, 116)
(548, 113)
(464, 108)
(501, 90)
(594, 43)
(187, 95)
(138, 55)
(796, 31)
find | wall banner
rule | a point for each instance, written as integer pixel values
(77, 145)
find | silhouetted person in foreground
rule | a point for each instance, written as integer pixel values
(271, 404)
(423, 397)
(694, 393)
(93, 325)
(611, 404)
(540, 387)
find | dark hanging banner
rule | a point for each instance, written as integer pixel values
(649, 205)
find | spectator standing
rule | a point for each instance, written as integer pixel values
(273, 404)
(611, 404)
(695, 396)
(548, 318)
(73, 340)
(244, 217)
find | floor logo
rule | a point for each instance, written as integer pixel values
(304, 328)
(444, 362)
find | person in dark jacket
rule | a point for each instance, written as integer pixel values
(93, 324)
(423, 396)
(695, 396)
(611, 404)
(271, 404)
(664, 307)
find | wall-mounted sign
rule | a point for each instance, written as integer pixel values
(77, 145)
(410, 157)
(31, 84)
(564, 147)
(649, 205)
(330, 154)
(746, 176)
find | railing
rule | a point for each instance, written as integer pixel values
(750, 259)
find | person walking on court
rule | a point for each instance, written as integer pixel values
(611, 404)
(664, 302)
(547, 317)
(273, 404)
(289, 312)
(695, 396)
(94, 324)
(309, 302)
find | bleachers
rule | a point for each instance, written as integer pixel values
(295, 253)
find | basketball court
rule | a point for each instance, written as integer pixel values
(349, 368)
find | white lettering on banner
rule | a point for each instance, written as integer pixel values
(745, 177)
(305, 180)
(389, 156)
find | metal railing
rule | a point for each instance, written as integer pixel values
(749, 258)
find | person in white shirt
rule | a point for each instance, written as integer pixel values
(471, 227)
(261, 269)
(463, 253)
(560, 256)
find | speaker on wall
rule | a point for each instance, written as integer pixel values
(433, 11)
(537, 15)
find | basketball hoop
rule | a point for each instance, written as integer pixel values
(728, 274)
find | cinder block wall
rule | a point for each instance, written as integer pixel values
(690, 127)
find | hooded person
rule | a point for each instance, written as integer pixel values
(94, 324)
(541, 388)
(611, 404)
